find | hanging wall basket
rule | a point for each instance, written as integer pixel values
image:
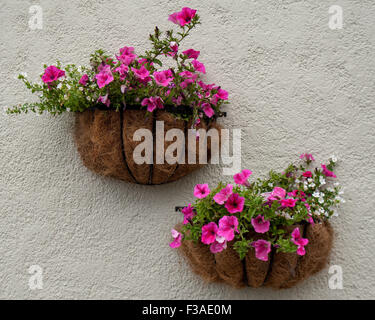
(105, 143)
(282, 270)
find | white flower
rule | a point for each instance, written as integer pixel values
(341, 192)
(316, 194)
(330, 189)
(322, 181)
(59, 86)
(297, 181)
(326, 214)
(336, 184)
(80, 88)
(270, 185)
(310, 180)
(24, 74)
(321, 200)
(312, 185)
(334, 158)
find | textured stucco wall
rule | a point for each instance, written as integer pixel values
(295, 85)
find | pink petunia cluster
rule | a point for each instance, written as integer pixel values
(184, 17)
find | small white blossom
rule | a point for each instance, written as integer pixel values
(59, 86)
(321, 200)
(334, 158)
(270, 185)
(312, 185)
(322, 181)
(330, 189)
(310, 180)
(316, 194)
(341, 192)
(297, 181)
(336, 184)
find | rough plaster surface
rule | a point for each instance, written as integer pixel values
(295, 86)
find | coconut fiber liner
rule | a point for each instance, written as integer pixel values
(282, 270)
(104, 139)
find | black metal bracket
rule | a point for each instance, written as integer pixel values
(178, 209)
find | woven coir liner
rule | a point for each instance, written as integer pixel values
(105, 142)
(282, 270)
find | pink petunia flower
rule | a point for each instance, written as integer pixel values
(201, 191)
(224, 194)
(277, 194)
(299, 241)
(327, 172)
(228, 225)
(188, 213)
(219, 245)
(235, 203)
(52, 74)
(127, 55)
(291, 203)
(177, 239)
(142, 73)
(105, 76)
(222, 94)
(198, 66)
(163, 78)
(307, 156)
(174, 47)
(241, 178)
(262, 249)
(122, 70)
(206, 107)
(307, 174)
(183, 17)
(260, 225)
(105, 100)
(186, 83)
(177, 101)
(84, 79)
(152, 103)
(209, 233)
(191, 54)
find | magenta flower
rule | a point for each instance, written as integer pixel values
(209, 232)
(152, 103)
(277, 194)
(222, 94)
(260, 225)
(191, 54)
(188, 213)
(307, 174)
(84, 79)
(219, 245)
(201, 191)
(183, 17)
(186, 83)
(227, 226)
(262, 249)
(105, 76)
(105, 100)
(307, 156)
(177, 239)
(174, 48)
(163, 78)
(288, 203)
(142, 73)
(241, 178)
(327, 172)
(122, 70)
(235, 203)
(299, 241)
(224, 194)
(206, 107)
(198, 66)
(127, 55)
(52, 74)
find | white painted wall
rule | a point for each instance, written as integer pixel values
(295, 85)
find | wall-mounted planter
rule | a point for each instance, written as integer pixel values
(282, 270)
(105, 143)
